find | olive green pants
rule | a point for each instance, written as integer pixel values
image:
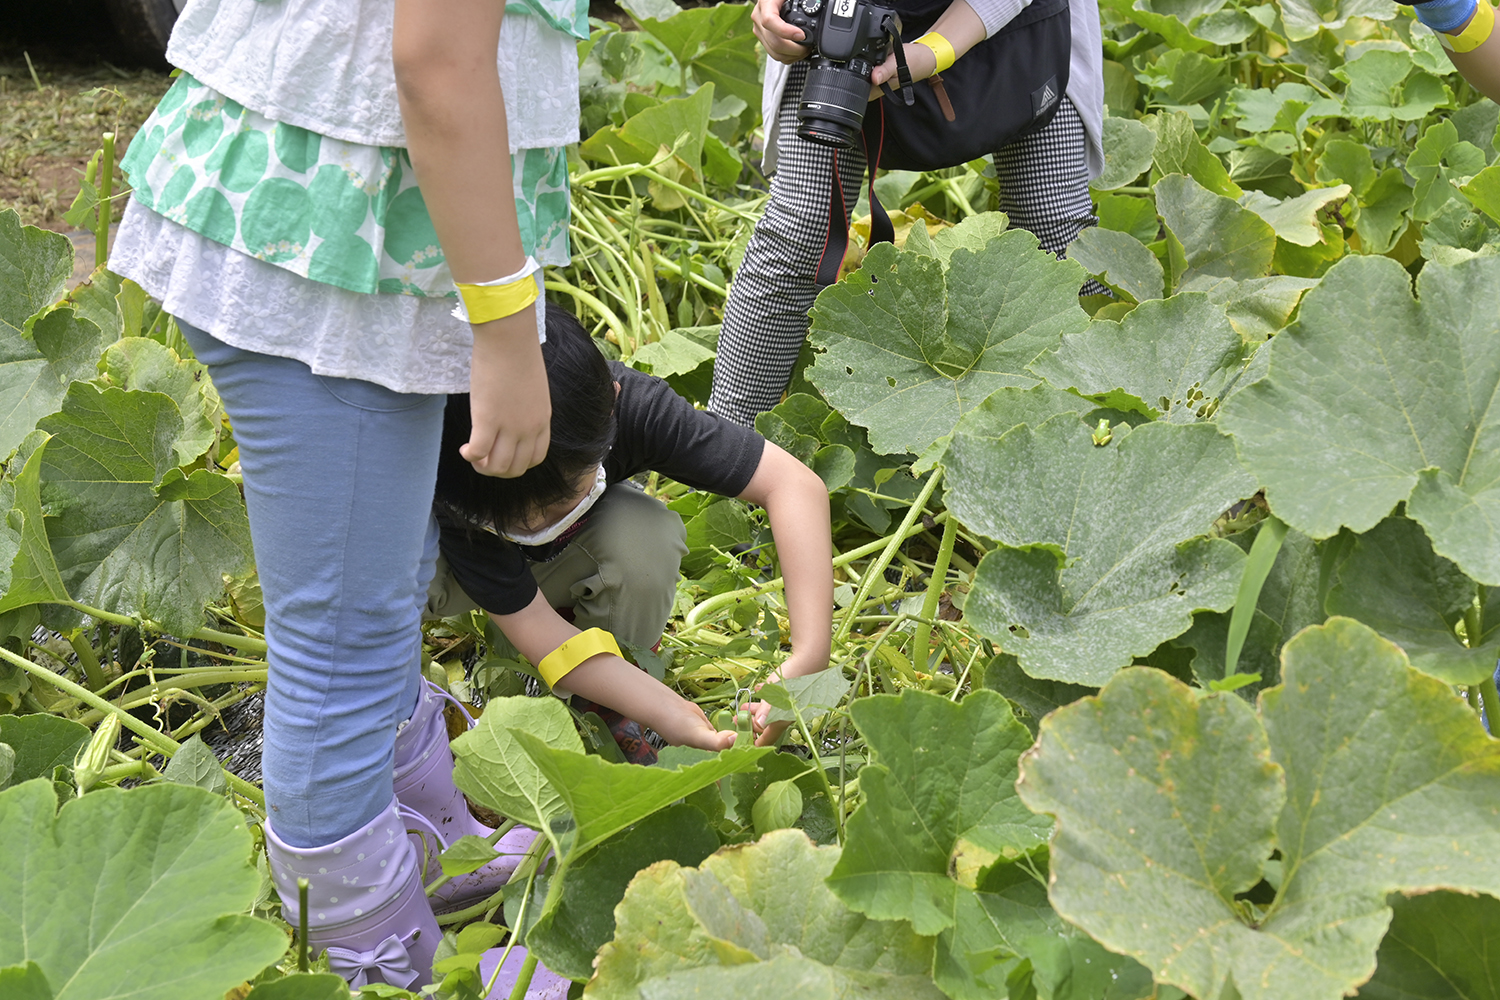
(619, 573)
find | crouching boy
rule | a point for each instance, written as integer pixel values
(570, 559)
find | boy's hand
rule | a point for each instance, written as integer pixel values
(509, 404)
(686, 725)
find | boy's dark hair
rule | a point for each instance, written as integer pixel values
(583, 428)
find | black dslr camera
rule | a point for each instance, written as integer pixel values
(849, 38)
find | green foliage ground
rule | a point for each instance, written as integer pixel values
(1163, 617)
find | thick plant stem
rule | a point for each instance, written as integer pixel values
(106, 191)
(878, 569)
(923, 636)
(523, 981)
(696, 617)
(244, 642)
(158, 741)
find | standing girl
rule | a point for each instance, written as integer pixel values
(306, 196)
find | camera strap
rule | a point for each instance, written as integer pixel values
(836, 242)
(903, 73)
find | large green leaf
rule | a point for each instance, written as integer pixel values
(492, 769)
(749, 905)
(1217, 236)
(1374, 397)
(40, 742)
(1102, 558)
(1391, 580)
(939, 802)
(1386, 86)
(1441, 946)
(131, 894)
(909, 343)
(568, 935)
(133, 533)
(718, 45)
(1303, 18)
(1368, 776)
(1168, 358)
(35, 371)
(138, 363)
(34, 266)
(605, 798)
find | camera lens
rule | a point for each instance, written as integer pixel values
(833, 104)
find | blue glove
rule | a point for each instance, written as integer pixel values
(1445, 15)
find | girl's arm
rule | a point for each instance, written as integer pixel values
(537, 630)
(796, 501)
(454, 113)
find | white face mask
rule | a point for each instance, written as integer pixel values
(555, 530)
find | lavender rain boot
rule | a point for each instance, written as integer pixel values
(424, 786)
(367, 910)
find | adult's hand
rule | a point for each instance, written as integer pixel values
(782, 40)
(509, 406)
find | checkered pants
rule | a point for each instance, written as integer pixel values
(1043, 189)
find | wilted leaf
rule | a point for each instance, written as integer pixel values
(748, 905)
(941, 785)
(1101, 560)
(1295, 219)
(675, 354)
(1368, 776)
(131, 894)
(909, 344)
(1374, 397)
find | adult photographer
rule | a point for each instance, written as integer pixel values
(1043, 173)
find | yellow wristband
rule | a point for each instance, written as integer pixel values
(941, 47)
(484, 303)
(1475, 34)
(557, 664)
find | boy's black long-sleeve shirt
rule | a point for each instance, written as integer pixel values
(656, 430)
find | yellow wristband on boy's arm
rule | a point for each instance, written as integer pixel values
(941, 47)
(560, 662)
(486, 301)
(1475, 33)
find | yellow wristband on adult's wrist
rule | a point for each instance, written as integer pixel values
(941, 47)
(557, 664)
(1475, 33)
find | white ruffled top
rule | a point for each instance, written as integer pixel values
(325, 65)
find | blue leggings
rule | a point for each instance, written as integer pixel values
(339, 477)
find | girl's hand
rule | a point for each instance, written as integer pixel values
(509, 403)
(780, 39)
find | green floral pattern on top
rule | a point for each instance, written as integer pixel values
(336, 212)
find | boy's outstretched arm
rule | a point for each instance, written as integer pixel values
(796, 501)
(537, 630)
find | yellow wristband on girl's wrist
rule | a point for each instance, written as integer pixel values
(941, 47)
(1475, 33)
(560, 662)
(486, 301)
